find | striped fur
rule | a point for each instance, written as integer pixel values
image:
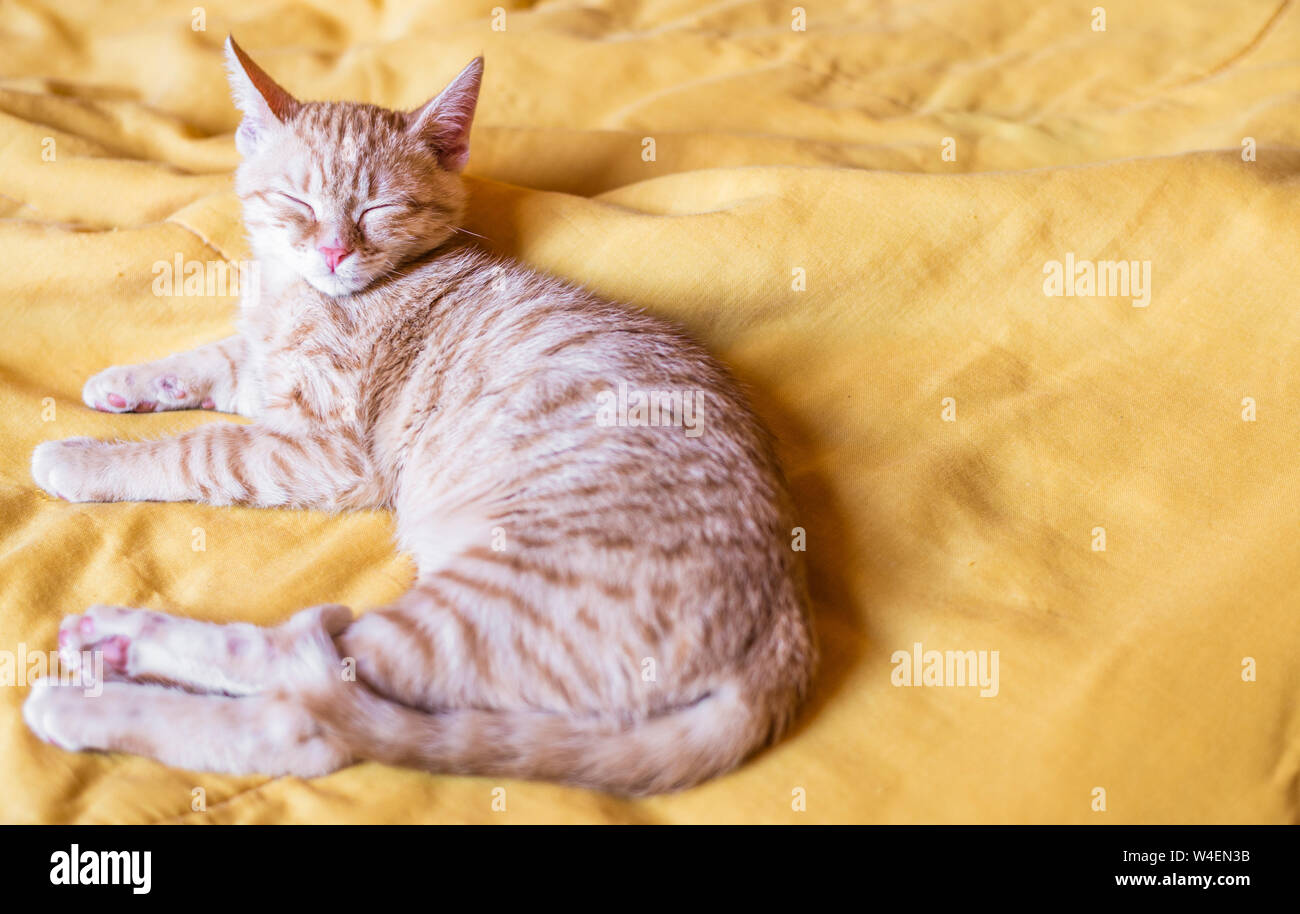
(610, 605)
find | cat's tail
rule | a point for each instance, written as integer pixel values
(670, 751)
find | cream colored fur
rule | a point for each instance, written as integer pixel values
(386, 363)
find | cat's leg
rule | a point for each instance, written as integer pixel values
(461, 640)
(268, 727)
(234, 659)
(420, 651)
(261, 734)
(203, 378)
(218, 463)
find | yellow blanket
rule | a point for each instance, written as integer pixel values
(900, 223)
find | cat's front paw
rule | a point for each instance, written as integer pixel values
(141, 389)
(71, 469)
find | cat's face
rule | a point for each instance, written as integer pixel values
(342, 193)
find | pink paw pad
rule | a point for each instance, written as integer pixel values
(209, 403)
(145, 407)
(86, 625)
(116, 401)
(114, 650)
(172, 387)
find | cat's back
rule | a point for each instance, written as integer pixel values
(482, 352)
(592, 463)
(581, 420)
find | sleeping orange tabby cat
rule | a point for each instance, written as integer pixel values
(561, 555)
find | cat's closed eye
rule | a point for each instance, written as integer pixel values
(301, 204)
(378, 210)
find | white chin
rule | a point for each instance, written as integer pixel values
(333, 284)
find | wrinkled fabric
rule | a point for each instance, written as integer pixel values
(861, 219)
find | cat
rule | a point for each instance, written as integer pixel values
(599, 601)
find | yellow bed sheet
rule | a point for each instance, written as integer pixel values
(859, 217)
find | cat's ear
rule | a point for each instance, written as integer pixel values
(256, 94)
(444, 122)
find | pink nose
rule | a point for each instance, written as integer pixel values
(333, 256)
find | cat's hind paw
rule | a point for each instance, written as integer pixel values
(108, 631)
(57, 713)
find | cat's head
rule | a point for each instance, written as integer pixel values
(342, 193)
